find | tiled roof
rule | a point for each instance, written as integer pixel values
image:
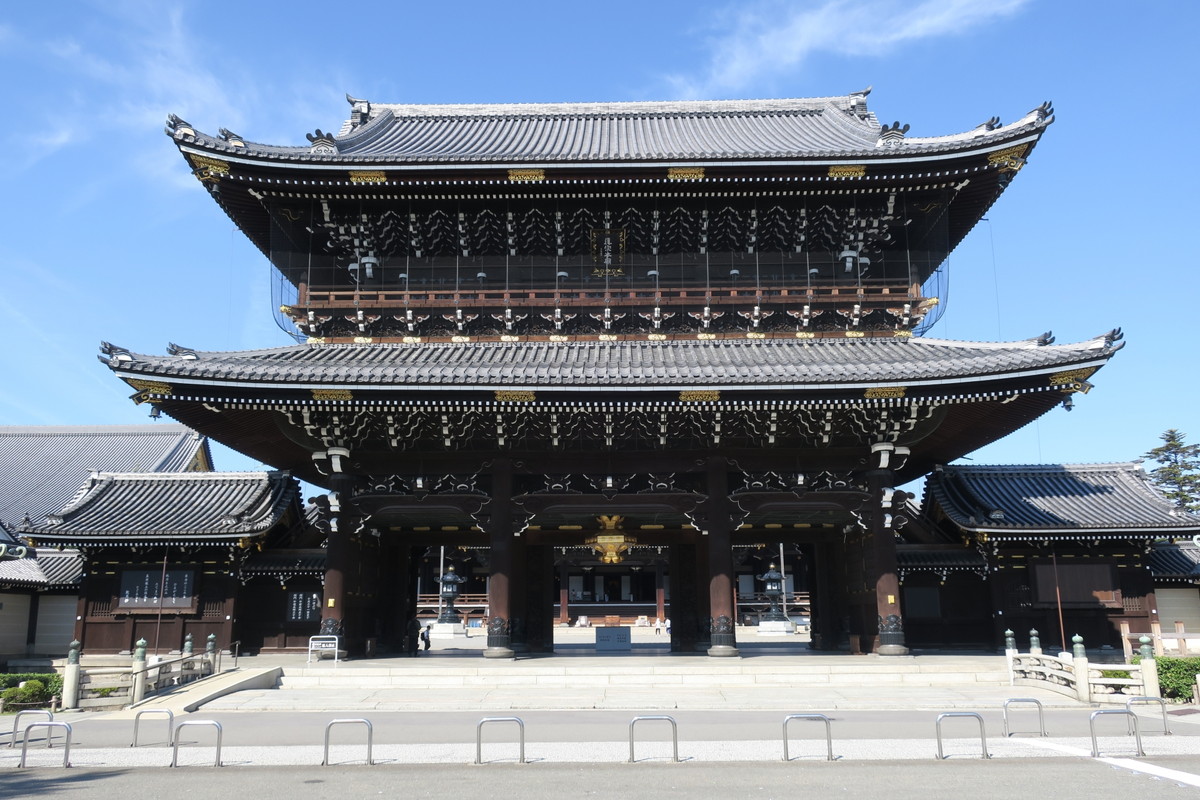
(1092, 498)
(52, 569)
(41, 468)
(686, 131)
(1180, 561)
(282, 563)
(662, 365)
(170, 507)
(948, 558)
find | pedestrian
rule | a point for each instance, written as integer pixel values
(413, 639)
(425, 636)
(658, 626)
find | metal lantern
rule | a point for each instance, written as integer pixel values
(773, 589)
(450, 582)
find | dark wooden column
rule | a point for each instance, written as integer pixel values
(564, 592)
(685, 623)
(723, 612)
(660, 592)
(881, 482)
(339, 558)
(500, 536)
(539, 598)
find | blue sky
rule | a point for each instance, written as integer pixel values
(107, 236)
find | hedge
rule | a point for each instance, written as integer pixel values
(1177, 676)
(39, 688)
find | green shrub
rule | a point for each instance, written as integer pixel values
(32, 693)
(1177, 676)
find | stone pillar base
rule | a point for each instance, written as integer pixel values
(892, 650)
(723, 651)
(499, 652)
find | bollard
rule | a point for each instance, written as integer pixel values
(1129, 716)
(828, 733)
(479, 736)
(370, 737)
(1036, 702)
(1077, 648)
(973, 715)
(137, 718)
(49, 726)
(32, 712)
(1035, 643)
(674, 735)
(185, 723)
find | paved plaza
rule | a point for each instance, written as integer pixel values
(576, 712)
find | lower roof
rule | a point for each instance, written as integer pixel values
(633, 365)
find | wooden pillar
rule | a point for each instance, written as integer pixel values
(722, 610)
(500, 537)
(882, 541)
(339, 564)
(539, 598)
(564, 592)
(660, 592)
(685, 621)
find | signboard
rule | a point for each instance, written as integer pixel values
(304, 606)
(146, 590)
(614, 638)
(608, 252)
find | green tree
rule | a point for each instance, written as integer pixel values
(1178, 473)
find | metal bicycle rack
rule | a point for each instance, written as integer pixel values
(828, 732)
(1129, 715)
(1041, 714)
(49, 716)
(370, 736)
(674, 735)
(982, 734)
(1162, 703)
(66, 748)
(137, 718)
(186, 723)
(479, 736)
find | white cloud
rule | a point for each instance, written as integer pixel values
(759, 40)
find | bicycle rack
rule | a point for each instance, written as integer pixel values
(982, 733)
(1129, 715)
(479, 736)
(370, 736)
(1162, 703)
(1041, 714)
(66, 748)
(828, 732)
(137, 718)
(49, 715)
(186, 723)
(674, 735)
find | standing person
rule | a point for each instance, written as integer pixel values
(658, 626)
(425, 637)
(413, 639)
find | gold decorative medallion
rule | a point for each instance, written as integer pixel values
(607, 337)
(518, 175)
(685, 173)
(332, 394)
(902, 335)
(510, 338)
(514, 396)
(855, 335)
(847, 170)
(699, 396)
(1009, 159)
(368, 176)
(706, 336)
(1072, 375)
(555, 337)
(363, 340)
(754, 335)
(460, 339)
(805, 335)
(411, 340)
(315, 340)
(885, 392)
(150, 387)
(656, 337)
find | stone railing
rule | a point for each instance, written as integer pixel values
(1071, 674)
(108, 687)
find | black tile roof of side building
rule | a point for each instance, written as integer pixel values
(1056, 499)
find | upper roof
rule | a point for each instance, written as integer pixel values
(181, 507)
(42, 467)
(657, 132)
(632, 365)
(1062, 499)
